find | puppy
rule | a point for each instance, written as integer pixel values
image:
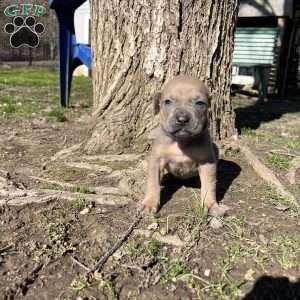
(183, 145)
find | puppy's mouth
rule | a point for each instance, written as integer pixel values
(181, 132)
(184, 132)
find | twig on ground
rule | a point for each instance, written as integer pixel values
(98, 266)
(80, 264)
(6, 248)
(283, 153)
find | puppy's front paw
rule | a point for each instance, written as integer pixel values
(148, 205)
(218, 210)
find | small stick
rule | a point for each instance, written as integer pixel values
(283, 153)
(98, 266)
(77, 262)
(4, 249)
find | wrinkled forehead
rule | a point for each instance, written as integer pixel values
(185, 88)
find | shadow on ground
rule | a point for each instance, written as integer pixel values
(252, 116)
(274, 288)
(227, 172)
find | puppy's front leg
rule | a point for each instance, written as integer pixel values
(152, 198)
(208, 177)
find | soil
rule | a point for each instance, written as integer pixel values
(173, 255)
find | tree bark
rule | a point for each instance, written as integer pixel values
(137, 46)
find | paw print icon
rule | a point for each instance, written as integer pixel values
(24, 32)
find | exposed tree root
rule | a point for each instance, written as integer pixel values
(265, 173)
(16, 197)
(166, 239)
(64, 153)
(291, 175)
(113, 157)
(87, 166)
(95, 190)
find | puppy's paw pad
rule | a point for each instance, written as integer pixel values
(218, 210)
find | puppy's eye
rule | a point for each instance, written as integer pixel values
(168, 101)
(200, 103)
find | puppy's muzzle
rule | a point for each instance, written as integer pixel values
(182, 117)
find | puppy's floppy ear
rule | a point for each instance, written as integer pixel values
(156, 106)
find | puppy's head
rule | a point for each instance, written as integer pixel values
(183, 107)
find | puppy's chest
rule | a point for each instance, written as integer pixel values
(180, 165)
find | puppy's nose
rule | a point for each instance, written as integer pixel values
(182, 118)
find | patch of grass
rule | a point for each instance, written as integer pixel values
(82, 189)
(294, 144)
(279, 161)
(41, 83)
(225, 287)
(109, 287)
(57, 242)
(198, 214)
(78, 204)
(134, 248)
(288, 246)
(234, 251)
(153, 248)
(29, 77)
(10, 105)
(80, 284)
(6, 105)
(58, 113)
(277, 198)
(248, 131)
(173, 269)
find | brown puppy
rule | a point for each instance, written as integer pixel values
(183, 145)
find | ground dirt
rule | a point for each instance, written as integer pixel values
(173, 255)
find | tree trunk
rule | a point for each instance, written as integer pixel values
(137, 46)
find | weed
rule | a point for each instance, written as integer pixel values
(8, 108)
(153, 248)
(234, 251)
(80, 284)
(277, 198)
(248, 131)
(173, 269)
(134, 248)
(58, 242)
(288, 248)
(294, 144)
(82, 189)
(110, 286)
(78, 204)
(279, 161)
(58, 113)
(198, 214)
